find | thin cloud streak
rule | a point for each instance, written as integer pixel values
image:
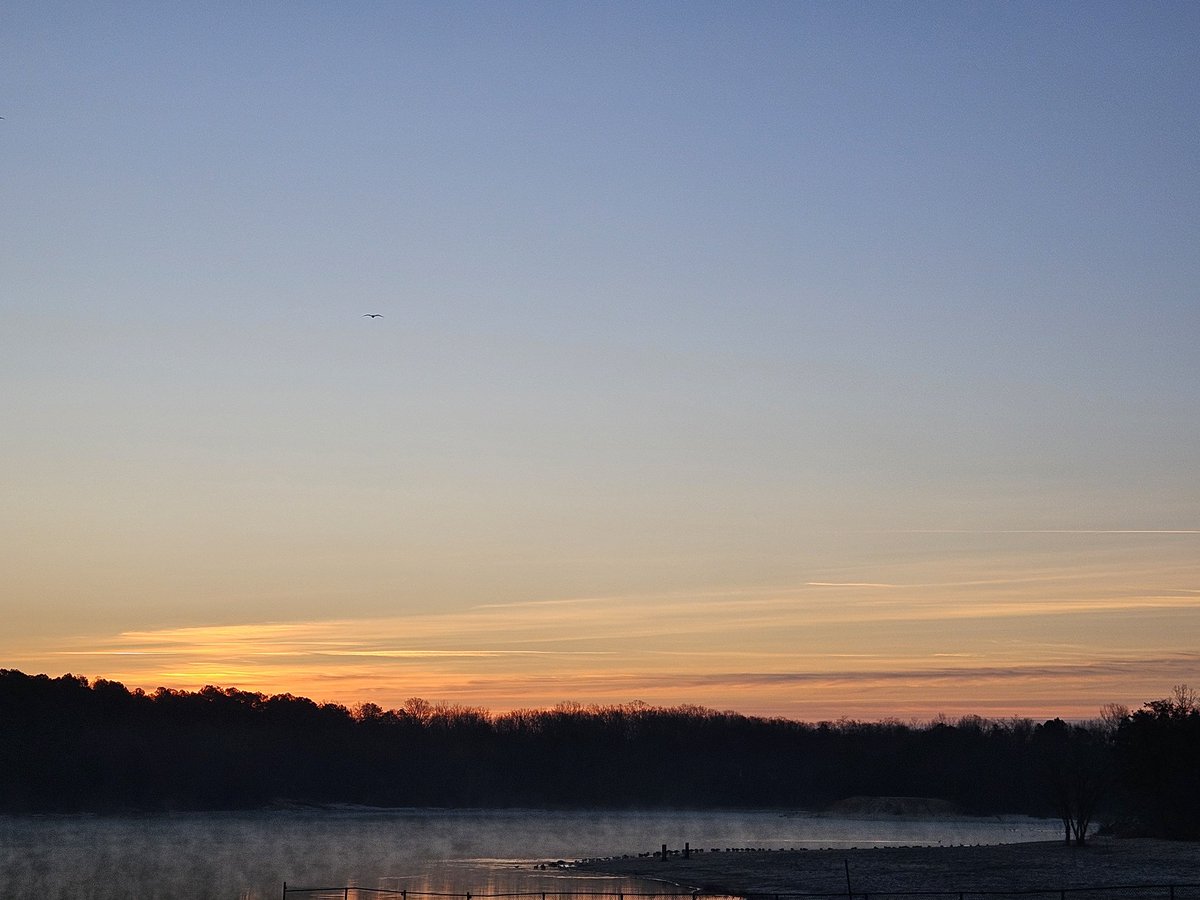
(1055, 634)
(849, 584)
(593, 620)
(1081, 531)
(794, 655)
(1023, 691)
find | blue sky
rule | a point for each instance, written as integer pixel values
(679, 300)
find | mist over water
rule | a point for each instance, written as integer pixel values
(251, 854)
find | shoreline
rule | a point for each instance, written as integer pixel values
(1042, 865)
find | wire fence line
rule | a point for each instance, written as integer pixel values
(1099, 892)
(356, 893)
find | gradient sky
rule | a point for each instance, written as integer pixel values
(810, 359)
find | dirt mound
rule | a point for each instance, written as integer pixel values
(915, 807)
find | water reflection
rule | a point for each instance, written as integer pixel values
(501, 880)
(250, 855)
(513, 877)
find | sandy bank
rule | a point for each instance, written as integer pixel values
(1036, 866)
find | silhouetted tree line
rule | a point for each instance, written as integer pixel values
(70, 745)
(1157, 753)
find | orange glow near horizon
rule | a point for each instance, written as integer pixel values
(1060, 642)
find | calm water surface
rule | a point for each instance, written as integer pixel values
(251, 855)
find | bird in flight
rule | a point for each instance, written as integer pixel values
(372, 315)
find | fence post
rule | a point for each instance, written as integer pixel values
(285, 890)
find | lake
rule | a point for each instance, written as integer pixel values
(249, 855)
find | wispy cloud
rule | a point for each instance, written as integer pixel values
(801, 650)
(1015, 632)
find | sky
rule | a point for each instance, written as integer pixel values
(803, 359)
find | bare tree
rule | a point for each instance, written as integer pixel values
(1077, 761)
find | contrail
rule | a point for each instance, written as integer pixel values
(1042, 531)
(862, 584)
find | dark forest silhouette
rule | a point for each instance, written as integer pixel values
(67, 745)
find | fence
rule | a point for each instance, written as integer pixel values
(1102, 892)
(362, 893)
